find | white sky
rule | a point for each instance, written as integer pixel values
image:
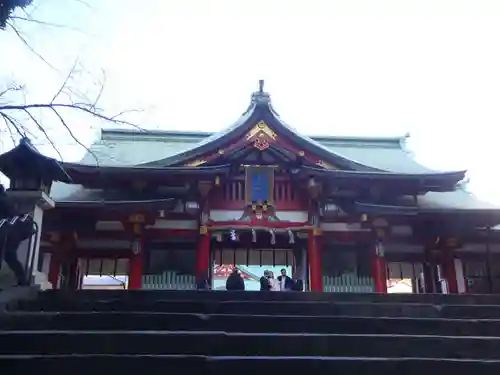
(428, 67)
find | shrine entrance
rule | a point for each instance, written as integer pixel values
(405, 277)
(251, 263)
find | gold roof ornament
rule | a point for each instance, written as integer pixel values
(196, 163)
(261, 128)
(324, 164)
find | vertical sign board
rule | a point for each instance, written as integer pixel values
(259, 185)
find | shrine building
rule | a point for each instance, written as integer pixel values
(342, 214)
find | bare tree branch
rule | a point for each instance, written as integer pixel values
(7, 126)
(25, 42)
(54, 107)
(9, 121)
(65, 82)
(84, 3)
(88, 107)
(101, 90)
(28, 18)
(78, 107)
(42, 129)
(11, 89)
(75, 101)
(73, 135)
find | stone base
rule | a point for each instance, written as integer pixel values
(8, 280)
(31, 197)
(9, 297)
(41, 280)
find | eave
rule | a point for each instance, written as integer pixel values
(439, 181)
(480, 216)
(81, 173)
(149, 205)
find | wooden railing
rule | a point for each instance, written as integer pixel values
(169, 280)
(232, 196)
(348, 284)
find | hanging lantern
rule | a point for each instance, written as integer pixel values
(254, 236)
(330, 210)
(192, 208)
(379, 249)
(273, 237)
(136, 246)
(291, 237)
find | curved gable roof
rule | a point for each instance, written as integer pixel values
(126, 147)
(156, 148)
(260, 109)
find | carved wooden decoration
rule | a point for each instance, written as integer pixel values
(261, 144)
(262, 136)
(196, 163)
(324, 164)
(262, 128)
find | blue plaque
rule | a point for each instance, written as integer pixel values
(259, 185)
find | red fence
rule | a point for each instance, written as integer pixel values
(232, 196)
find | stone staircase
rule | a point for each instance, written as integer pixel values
(176, 332)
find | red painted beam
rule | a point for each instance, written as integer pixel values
(258, 224)
(97, 253)
(124, 235)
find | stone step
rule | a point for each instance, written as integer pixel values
(245, 323)
(144, 295)
(247, 365)
(241, 344)
(270, 307)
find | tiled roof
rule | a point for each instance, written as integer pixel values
(125, 147)
(162, 148)
(128, 148)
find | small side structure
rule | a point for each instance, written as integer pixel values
(31, 175)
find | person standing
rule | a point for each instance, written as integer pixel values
(264, 282)
(274, 284)
(286, 282)
(235, 281)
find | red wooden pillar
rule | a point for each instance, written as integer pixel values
(203, 253)
(450, 273)
(136, 261)
(73, 274)
(54, 270)
(314, 259)
(429, 269)
(379, 268)
(136, 264)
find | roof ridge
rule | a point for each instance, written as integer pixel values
(194, 133)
